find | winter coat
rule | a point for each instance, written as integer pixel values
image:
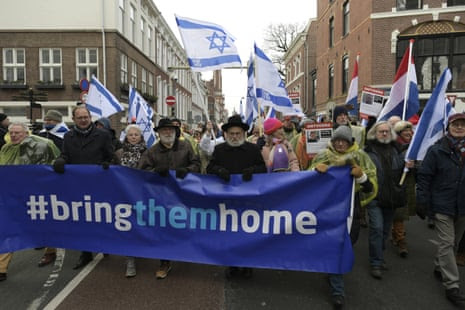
(33, 150)
(181, 155)
(236, 159)
(293, 162)
(57, 140)
(3, 132)
(441, 181)
(389, 164)
(95, 147)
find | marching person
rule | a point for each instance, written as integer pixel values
(25, 149)
(170, 152)
(84, 144)
(54, 128)
(236, 156)
(441, 191)
(341, 117)
(342, 150)
(4, 123)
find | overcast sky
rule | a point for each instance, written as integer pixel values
(244, 19)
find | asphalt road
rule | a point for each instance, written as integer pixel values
(408, 284)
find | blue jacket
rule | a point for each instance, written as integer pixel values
(441, 181)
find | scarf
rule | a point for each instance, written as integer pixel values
(132, 153)
(458, 145)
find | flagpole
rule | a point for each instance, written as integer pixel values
(260, 120)
(407, 81)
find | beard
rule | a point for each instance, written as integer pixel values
(167, 140)
(235, 143)
(385, 141)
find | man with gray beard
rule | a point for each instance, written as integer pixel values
(236, 156)
(389, 162)
(169, 153)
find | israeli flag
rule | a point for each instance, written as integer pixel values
(59, 130)
(100, 102)
(433, 120)
(141, 113)
(251, 106)
(270, 88)
(208, 46)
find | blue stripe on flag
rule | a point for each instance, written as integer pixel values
(101, 89)
(213, 61)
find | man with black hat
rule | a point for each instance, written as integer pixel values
(236, 156)
(341, 117)
(441, 193)
(169, 153)
(4, 122)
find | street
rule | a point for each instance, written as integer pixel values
(408, 284)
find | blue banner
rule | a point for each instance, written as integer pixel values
(295, 221)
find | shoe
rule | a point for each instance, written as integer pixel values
(247, 273)
(47, 259)
(384, 266)
(83, 261)
(2, 276)
(402, 248)
(338, 301)
(231, 272)
(430, 223)
(453, 294)
(376, 272)
(130, 268)
(460, 259)
(437, 274)
(163, 271)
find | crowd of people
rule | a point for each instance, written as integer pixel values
(433, 188)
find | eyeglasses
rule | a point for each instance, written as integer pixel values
(384, 132)
(81, 118)
(457, 124)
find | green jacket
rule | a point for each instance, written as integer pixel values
(33, 150)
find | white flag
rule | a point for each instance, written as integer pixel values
(141, 112)
(100, 102)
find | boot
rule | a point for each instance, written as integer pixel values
(402, 248)
(130, 267)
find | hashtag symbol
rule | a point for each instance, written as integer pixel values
(37, 207)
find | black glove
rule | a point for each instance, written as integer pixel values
(105, 165)
(224, 174)
(181, 173)
(163, 172)
(247, 174)
(421, 210)
(59, 165)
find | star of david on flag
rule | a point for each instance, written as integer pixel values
(208, 46)
(142, 113)
(100, 102)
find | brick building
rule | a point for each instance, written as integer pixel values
(380, 31)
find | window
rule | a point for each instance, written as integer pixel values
(409, 5)
(124, 69)
(331, 32)
(149, 39)
(134, 74)
(331, 81)
(144, 81)
(345, 73)
(14, 64)
(132, 24)
(150, 88)
(345, 18)
(455, 2)
(142, 33)
(121, 16)
(50, 65)
(86, 63)
(314, 85)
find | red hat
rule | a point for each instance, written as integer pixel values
(271, 124)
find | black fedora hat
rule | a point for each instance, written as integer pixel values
(164, 123)
(235, 121)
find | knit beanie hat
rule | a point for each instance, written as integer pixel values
(343, 133)
(3, 117)
(54, 115)
(338, 110)
(271, 124)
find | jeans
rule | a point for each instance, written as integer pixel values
(336, 283)
(378, 231)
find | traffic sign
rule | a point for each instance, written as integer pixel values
(84, 84)
(170, 100)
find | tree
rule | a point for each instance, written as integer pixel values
(278, 38)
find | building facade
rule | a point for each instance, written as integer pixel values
(48, 47)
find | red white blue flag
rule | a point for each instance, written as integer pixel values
(352, 94)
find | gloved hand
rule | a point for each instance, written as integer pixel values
(105, 165)
(356, 171)
(421, 210)
(162, 171)
(59, 165)
(247, 174)
(224, 174)
(321, 168)
(181, 173)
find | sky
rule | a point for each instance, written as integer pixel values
(246, 20)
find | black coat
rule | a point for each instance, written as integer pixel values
(57, 140)
(3, 132)
(441, 181)
(236, 159)
(93, 148)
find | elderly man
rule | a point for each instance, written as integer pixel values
(84, 144)
(169, 153)
(344, 151)
(389, 162)
(441, 191)
(236, 156)
(24, 149)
